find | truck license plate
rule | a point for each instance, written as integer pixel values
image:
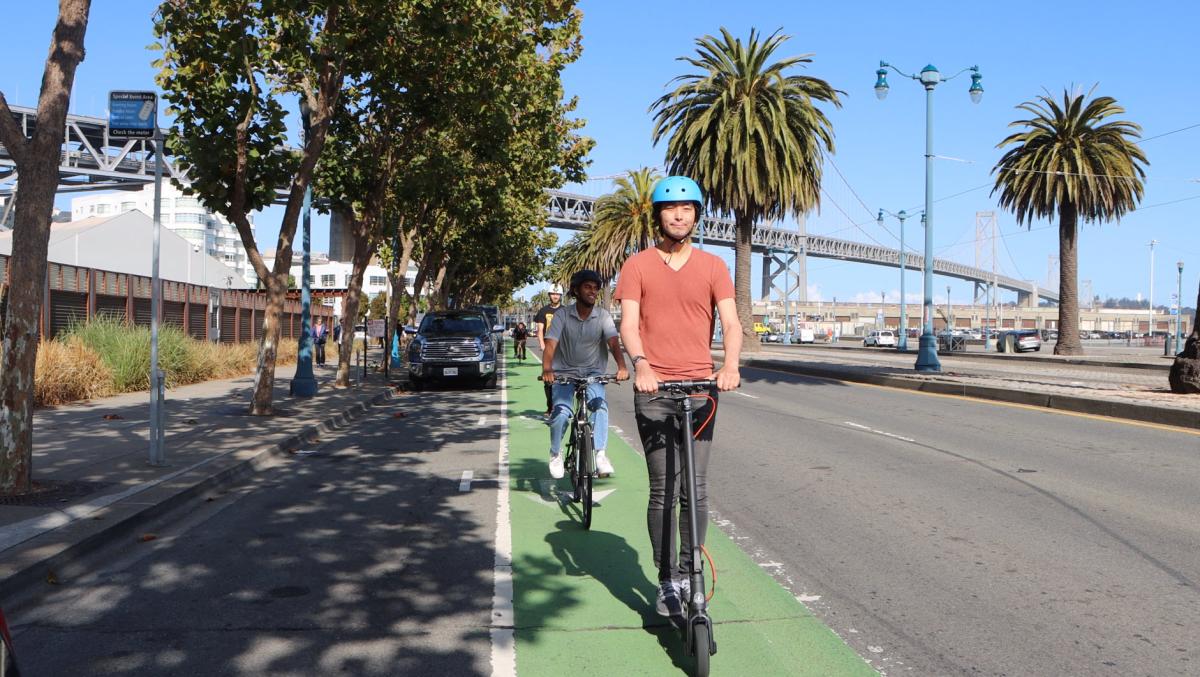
(450, 371)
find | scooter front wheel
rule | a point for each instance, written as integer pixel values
(702, 647)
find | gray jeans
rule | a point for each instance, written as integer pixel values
(660, 427)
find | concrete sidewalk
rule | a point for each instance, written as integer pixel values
(92, 460)
(1105, 386)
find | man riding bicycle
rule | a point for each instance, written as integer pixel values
(577, 344)
(667, 295)
(519, 334)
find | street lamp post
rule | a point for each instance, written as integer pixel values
(929, 77)
(304, 384)
(902, 344)
(1150, 303)
(1179, 309)
(948, 322)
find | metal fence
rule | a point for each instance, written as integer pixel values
(74, 294)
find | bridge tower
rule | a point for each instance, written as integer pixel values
(341, 240)
(985, 255)
(1051, 271)
(792, 266)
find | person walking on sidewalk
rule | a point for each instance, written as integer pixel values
(667, 294)
(320, 333)
(577, 345)
(542, 321)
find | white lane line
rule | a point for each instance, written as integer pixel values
(504, 650)
(482, 421)
(464, 484)
(738, 392)
(878, 432)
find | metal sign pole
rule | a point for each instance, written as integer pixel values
(157, 455)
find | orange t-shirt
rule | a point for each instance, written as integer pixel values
(677, 309)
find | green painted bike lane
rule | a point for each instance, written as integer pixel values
(584, 600)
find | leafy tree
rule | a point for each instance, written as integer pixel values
(377, 308)
(751, 135)
(1072, 161)
(622, 225)
(227, 67)
(36, 161)
(362, 308)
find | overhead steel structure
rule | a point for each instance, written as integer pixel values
(571, 211)
(91, 160)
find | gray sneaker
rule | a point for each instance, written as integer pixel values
(668, 600)
(684, 588)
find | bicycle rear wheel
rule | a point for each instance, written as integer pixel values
(585, 479)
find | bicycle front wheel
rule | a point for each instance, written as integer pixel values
(584, 491)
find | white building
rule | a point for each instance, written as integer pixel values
(123, 243)
(183, 214)
(326, 275)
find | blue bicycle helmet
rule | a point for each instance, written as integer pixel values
(677, 189)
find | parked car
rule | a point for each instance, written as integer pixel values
(804, 336)
(880, 337)
(453, 345)
(771, 337)
(1022, 340)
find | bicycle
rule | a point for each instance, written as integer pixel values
(697, 627)
(519, 350)
(580, 458)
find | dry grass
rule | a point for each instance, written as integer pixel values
(68, 372)
(106, 358)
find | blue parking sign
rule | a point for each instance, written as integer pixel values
(132, 115)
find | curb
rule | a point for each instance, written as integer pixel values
(1082, 405)
(1073, 361)
(65, 559)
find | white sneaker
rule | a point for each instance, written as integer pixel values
(603, 465)
(556, 467)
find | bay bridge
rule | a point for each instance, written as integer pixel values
(92, 160)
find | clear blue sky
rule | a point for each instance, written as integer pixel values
(1143, 55)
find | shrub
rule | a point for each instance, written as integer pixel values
(69, 371)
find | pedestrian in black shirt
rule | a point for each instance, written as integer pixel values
(542, 321)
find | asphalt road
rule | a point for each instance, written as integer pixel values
(945, 536)
(363, 558)
(935, 535)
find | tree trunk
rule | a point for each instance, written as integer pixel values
(1185, 371)
(37, 164)
(397, 277)
(418, 286)
(741, 282)
(262, 403)
(362, 256)
(1068, 283)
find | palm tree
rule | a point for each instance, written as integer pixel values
(622, 225)
(1070, 160)
(750, 135)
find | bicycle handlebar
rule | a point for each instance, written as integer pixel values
(576, 381)
(685, 386)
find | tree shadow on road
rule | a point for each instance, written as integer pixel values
(363, 558)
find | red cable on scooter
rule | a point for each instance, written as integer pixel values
(711, 565)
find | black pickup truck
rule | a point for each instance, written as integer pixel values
(452, 345)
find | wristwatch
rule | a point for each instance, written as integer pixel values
(636, 359)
